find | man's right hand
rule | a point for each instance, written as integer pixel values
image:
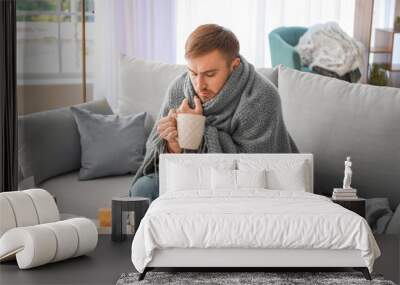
(167, 129)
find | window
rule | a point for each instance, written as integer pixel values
(49, 41)
(253, 20)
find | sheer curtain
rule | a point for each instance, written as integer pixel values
(252, 20)
(138, 28)
(383, 16)
(157, 29)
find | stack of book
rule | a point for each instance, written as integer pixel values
(344, 194)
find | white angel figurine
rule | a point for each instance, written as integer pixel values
(347, 174)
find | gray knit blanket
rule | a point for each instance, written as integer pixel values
(244, 117)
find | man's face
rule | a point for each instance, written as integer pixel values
(209, 73)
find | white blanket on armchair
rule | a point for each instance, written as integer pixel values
(251, 218)
(329, 47)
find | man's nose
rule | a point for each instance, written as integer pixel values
(201, 84)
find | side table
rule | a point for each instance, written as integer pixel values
(355, 205)
(139, 205)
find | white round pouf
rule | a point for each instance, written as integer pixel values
(87, 232)
(23, 208)
(45, 205)
(31, 233)
(7, 216)
(67, 240)
(33, 246)
(41, 244)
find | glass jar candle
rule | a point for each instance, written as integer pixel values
(104, 217)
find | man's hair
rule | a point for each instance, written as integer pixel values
(206, 38)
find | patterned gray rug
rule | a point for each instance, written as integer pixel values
(273, 278)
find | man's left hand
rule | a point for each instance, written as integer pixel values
(185, 108)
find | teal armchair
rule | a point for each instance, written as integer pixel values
(282, 42)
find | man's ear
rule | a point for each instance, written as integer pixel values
(235, 63)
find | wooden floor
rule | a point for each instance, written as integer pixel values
(110, 260)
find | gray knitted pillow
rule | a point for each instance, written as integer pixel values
(110, 144)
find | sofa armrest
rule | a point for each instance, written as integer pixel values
(394, 224)
(49, 141)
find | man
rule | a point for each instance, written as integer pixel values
(242, 109)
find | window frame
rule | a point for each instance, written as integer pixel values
(59, 77)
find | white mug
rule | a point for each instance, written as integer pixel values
(190, 130)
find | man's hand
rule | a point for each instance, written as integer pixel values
(166, 128)
(185, 108)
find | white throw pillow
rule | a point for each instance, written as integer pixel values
(184, 174)
(292, 178)
(223, 179)
(281, 174)
(227, 179)
(251, 178)
(183, 177)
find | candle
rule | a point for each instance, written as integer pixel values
(104, 217)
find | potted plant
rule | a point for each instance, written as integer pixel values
(397, 24)
(379, 74)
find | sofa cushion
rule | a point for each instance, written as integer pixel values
(48, 142)
(110, 144)
(393, 227)
(84, 198)
(333, 119)
(269, 73)
(143, 85)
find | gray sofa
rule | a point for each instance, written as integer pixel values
(327, 117)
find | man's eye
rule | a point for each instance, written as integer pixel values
(210, 74)
(193, 74)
